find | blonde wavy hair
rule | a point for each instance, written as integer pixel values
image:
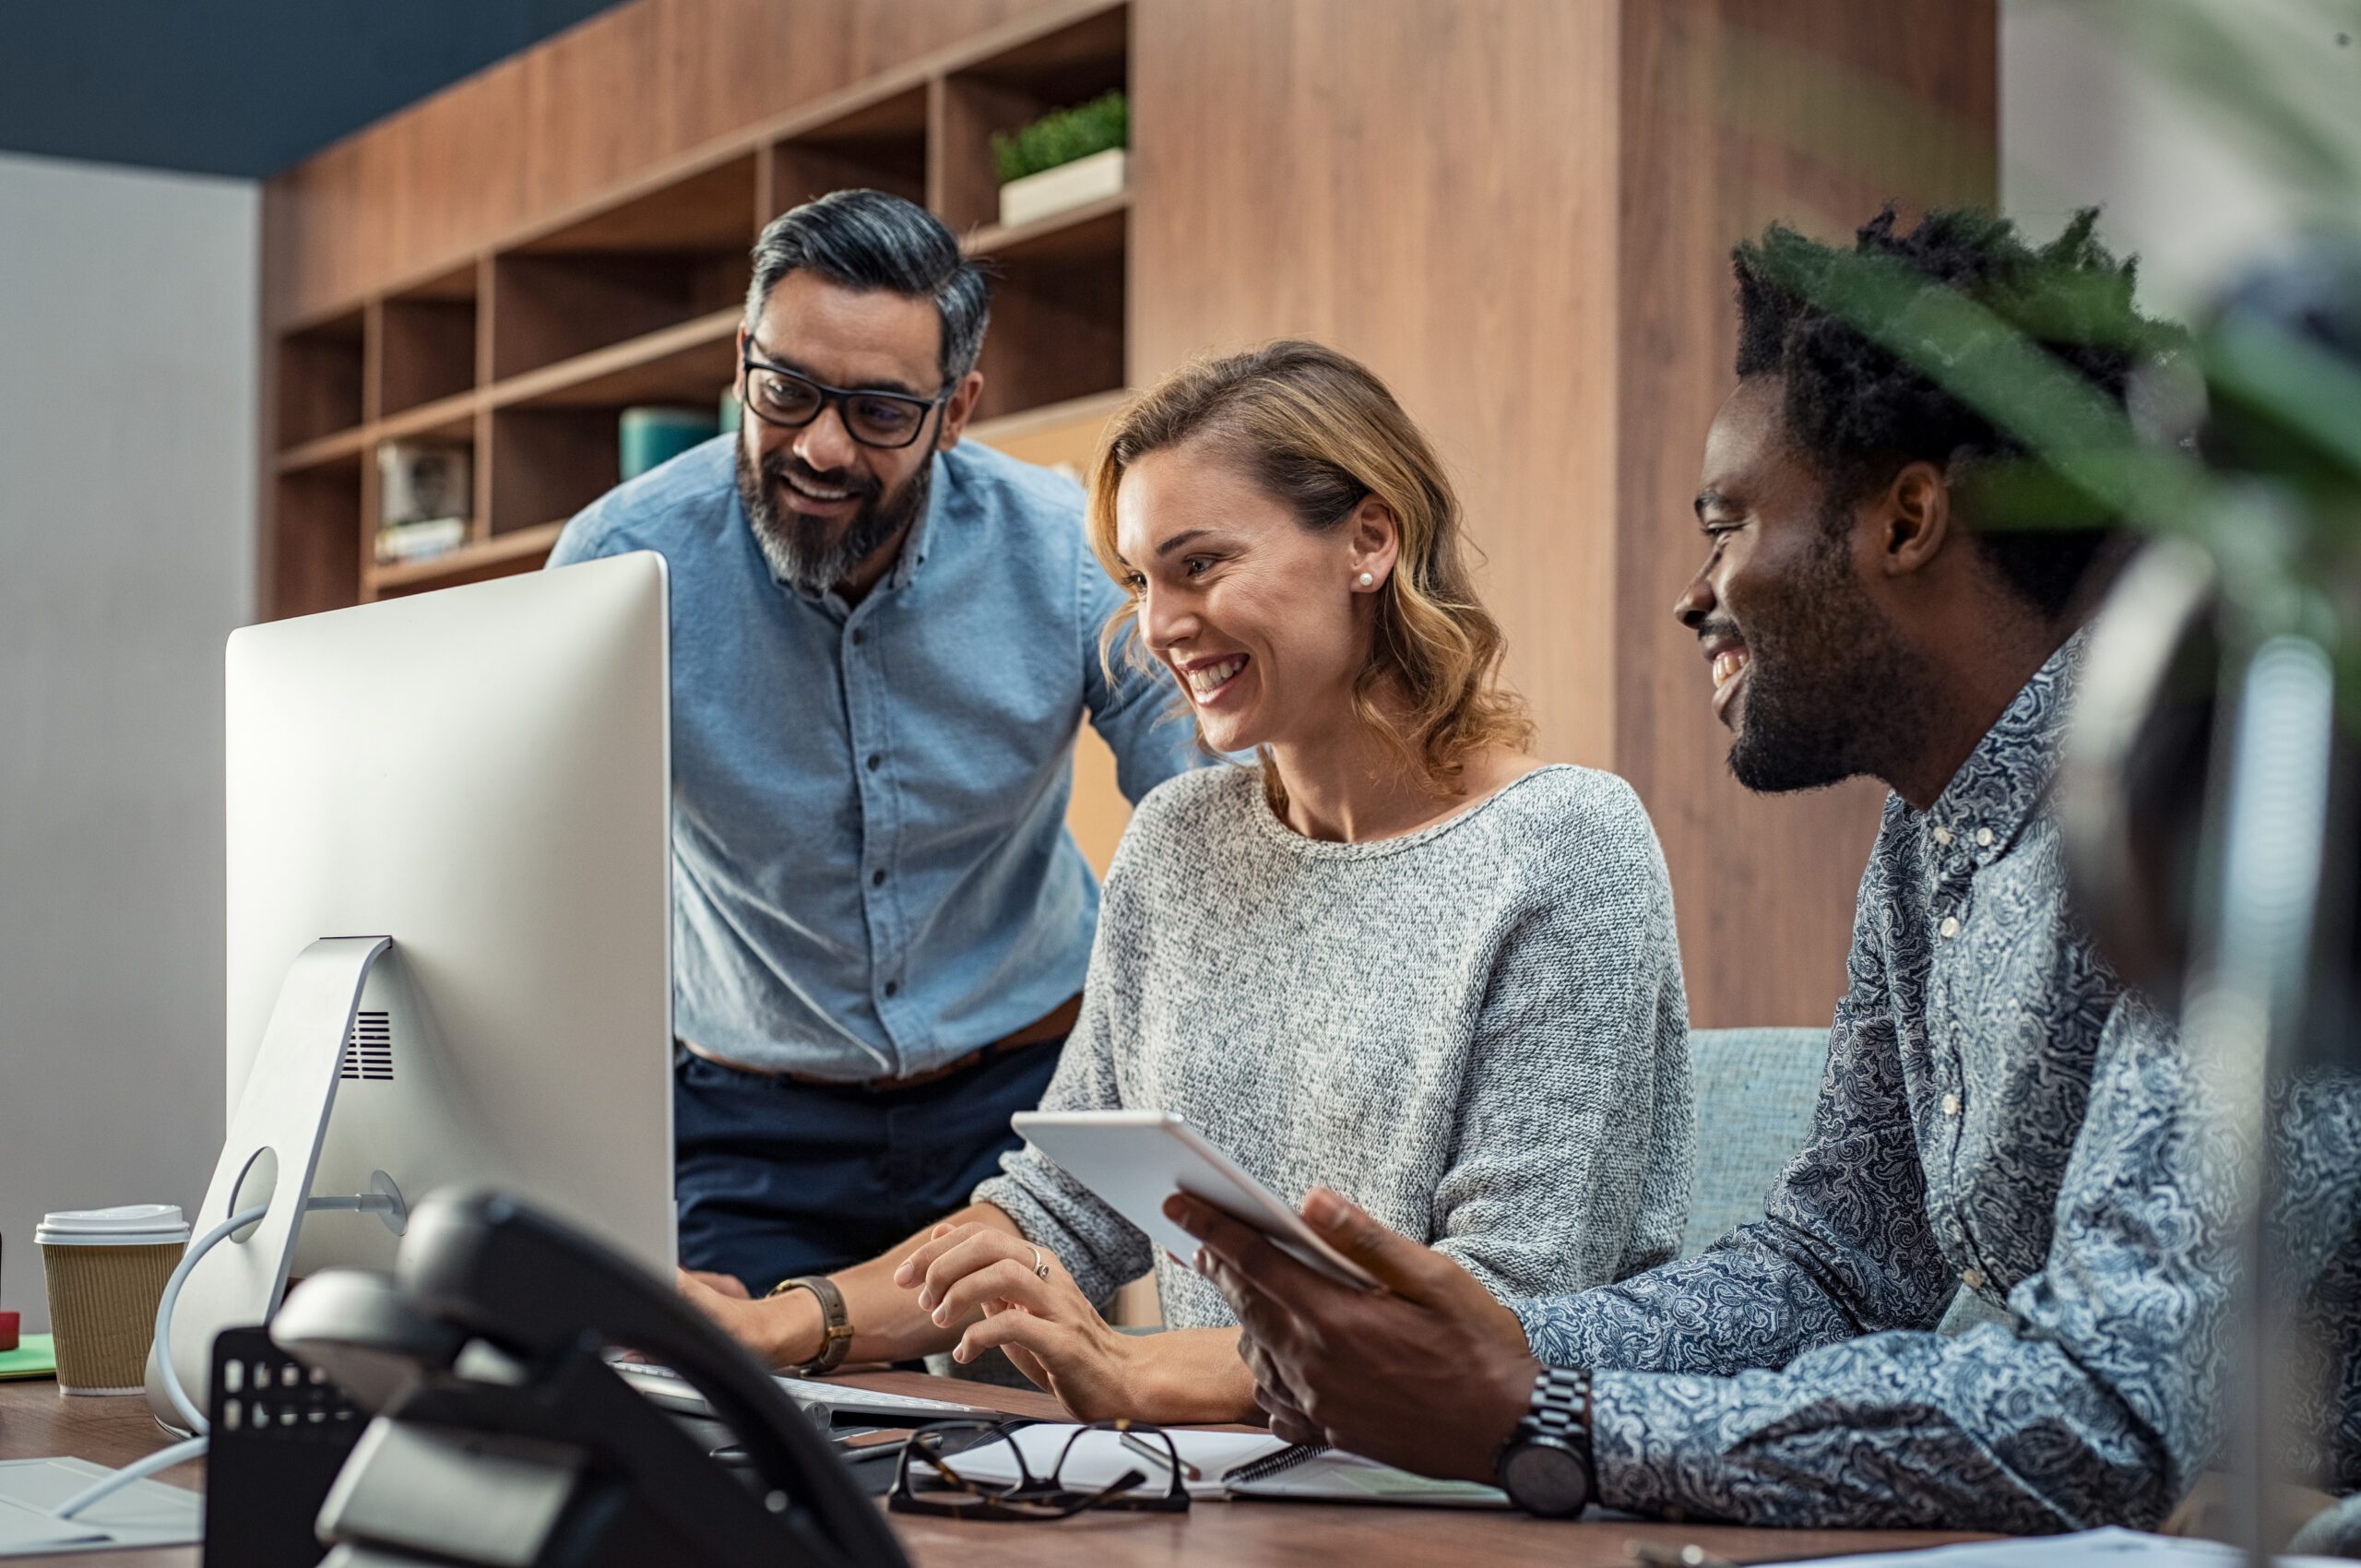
(1321, 433)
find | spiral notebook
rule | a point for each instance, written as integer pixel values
(1299, 1470)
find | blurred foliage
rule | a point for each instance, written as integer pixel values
(1063, 137)
(2251, 440)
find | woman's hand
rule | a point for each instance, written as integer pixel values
(775, 1329)
(986, 1278)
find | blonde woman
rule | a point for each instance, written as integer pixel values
(1400, 956)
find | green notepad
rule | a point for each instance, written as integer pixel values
(35, 1355)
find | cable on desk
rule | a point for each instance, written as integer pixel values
(165, 1458)
(173, 1390)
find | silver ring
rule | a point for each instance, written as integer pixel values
(1041, 1264)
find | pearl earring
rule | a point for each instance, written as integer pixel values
(1367, 580)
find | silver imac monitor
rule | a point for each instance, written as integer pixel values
(449, 926)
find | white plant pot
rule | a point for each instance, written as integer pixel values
(1067, 185)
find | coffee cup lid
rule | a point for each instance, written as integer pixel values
(130, 1225)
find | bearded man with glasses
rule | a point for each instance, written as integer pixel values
(884, 643)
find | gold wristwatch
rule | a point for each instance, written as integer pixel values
(836, 1324)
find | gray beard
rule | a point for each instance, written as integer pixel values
(806, 554)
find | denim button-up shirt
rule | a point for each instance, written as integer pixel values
(2000, 1115)
(871, 874)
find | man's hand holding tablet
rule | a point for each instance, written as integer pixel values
(1135, 1160)
(1430, 1373)
(1359, 1337)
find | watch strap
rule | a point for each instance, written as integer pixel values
(835, 1324)
(1560, 1408)
(1561, 1411)
(1546, 1466)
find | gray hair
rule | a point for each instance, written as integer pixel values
(867, 240)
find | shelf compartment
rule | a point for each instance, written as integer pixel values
(692, 364)
(1094, 229)
(549, 462)
(880, 145)
(321, 373)
(1057, 435)
(551, 309)
(1069, 66)
(520, 550)
(451, 419)
(556, 443)
(426, 342)
(316, 562)
(325, 451)
(1058, 315)
(656, 262)
(711, 209)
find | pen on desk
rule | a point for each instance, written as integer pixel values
(1150, 1450)
(1659, 1556)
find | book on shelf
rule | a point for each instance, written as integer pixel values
(397, 542)
(652, 434)
(424, 482)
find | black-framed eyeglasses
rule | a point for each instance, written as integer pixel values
(887, 420)
(930, 1479)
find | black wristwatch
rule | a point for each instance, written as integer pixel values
(1546, 1469)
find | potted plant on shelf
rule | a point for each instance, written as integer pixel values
(1063, 159)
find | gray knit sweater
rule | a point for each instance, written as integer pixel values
(1476, 1031)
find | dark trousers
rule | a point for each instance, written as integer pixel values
(775, 1178)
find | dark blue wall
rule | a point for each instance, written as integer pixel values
(240, 87)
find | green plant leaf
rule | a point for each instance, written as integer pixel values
(1062, 137)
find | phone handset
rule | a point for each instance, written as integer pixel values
(500, 1428)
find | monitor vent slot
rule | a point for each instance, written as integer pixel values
(369, 1054)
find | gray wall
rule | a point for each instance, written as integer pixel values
(127, 323)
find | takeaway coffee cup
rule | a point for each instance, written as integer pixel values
(106, 1269)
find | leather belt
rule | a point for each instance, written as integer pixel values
(1056, 1024)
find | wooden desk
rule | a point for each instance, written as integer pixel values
(35, 1421)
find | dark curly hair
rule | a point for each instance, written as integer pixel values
(1858, 412)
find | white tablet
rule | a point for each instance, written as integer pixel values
(1135, 1160)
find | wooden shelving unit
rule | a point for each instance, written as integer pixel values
(526, 352)
(514, 551)
(1055, 434)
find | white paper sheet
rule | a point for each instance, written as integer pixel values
(143, 1514)
(2108, 1548)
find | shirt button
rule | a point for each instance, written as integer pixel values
(859, 636)
(1984, 838)
(893, 986)
(1951, 1105)
(1950, 925)
(877, 879)
(874, 762)
(1942, 835)
(1973, 1279)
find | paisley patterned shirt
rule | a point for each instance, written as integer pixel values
(2000, 1115)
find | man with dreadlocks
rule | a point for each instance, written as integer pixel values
(2000, 1115)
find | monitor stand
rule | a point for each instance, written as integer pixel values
(269, 1155)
